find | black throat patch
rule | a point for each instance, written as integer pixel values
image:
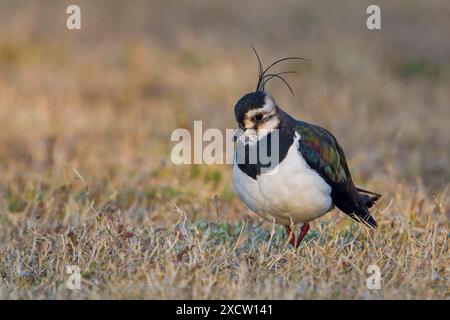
(258, 156)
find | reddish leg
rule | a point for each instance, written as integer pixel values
(291, 235)
(304, 231)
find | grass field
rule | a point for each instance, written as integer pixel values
(85, 171)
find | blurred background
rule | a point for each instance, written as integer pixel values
(86, 115)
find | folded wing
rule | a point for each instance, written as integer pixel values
(323, 153)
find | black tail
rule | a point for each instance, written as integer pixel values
(355, 203)
(369, 198)
(362, 214)
(366, 200)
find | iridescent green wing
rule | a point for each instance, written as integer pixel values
(323, 154)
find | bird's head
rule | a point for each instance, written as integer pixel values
(256, 112)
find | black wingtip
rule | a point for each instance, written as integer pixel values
(368, 197)
(372, 223)
(374, 195)
(363, 215)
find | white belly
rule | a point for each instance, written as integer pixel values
(292, 192)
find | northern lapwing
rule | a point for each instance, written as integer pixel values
(310, 175)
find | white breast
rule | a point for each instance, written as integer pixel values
(292, 191)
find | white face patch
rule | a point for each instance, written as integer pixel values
(255, 130)
(267, 108)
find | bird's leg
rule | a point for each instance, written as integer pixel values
(290, 235)
(304, 231)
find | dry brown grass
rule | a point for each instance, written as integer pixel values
(85, 172)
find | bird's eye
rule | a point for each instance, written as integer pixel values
(257, 117)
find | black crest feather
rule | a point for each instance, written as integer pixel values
(264, 77)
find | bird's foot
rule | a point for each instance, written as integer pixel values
(303, 232)
(290, 235)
